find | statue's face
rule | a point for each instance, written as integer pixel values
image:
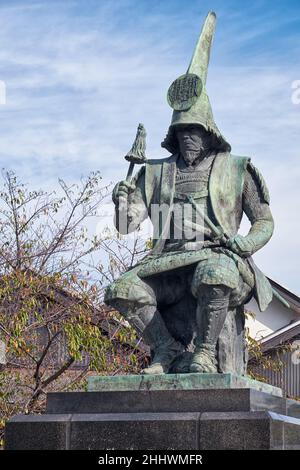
(192, 141)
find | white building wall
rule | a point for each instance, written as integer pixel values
(275, 317)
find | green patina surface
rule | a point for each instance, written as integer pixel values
(177, 381)
(211, 279)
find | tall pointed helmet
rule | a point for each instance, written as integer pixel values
(187, 94)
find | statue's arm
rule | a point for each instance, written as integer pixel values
(256, 202)
(256, 206)
(130, 203)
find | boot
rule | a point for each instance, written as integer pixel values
(212, 309)
(163, 358)
(204, 359)
(149, 323)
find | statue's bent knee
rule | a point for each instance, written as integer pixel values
(218, 270)
(128, 292)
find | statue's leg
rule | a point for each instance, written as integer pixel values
(213, 282)
(212, 309)
(136, 300)
(147, 321)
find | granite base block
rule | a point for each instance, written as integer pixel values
(167, 412)
(37, 432)
(137, 431)
(249, 431)
(256, 430)
(164, 401)
(292, 408)
(234, 431)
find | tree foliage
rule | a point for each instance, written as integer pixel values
(51, 286)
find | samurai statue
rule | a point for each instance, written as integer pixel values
(186, 297)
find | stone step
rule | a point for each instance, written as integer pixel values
(154, 431)
(162, 401)
(193, 381)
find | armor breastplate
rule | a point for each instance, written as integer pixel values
(192, 182)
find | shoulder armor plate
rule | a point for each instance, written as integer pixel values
(260, 181)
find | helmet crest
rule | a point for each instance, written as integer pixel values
(187, 94)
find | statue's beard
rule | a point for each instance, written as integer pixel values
(191, 157)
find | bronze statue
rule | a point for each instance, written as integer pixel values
(186, 296)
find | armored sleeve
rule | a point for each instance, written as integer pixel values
(256, 202)
(130, 218)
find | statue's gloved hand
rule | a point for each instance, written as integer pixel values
(242, 246)
(121, 192)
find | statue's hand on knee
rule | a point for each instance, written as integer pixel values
(242, 246)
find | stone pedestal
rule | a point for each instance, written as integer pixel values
(175, 412)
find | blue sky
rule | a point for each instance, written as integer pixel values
(80, 76)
